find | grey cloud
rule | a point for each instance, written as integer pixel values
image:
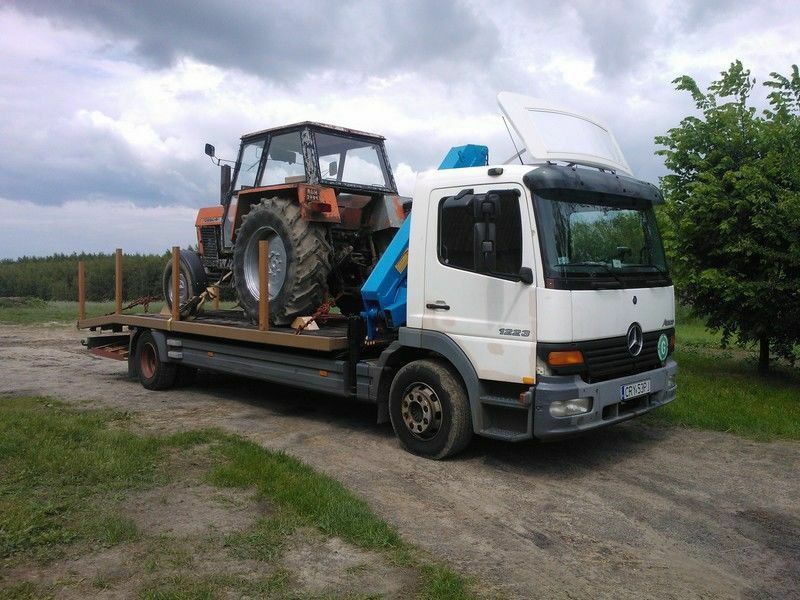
(286, 41)
(620, 35)
(76, 161)
(696, 15)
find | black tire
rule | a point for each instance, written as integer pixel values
(193, 280)
(299, 261)
(153, 373)
(419, 389)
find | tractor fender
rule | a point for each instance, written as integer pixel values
(194, 263)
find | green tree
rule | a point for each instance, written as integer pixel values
(733, 206)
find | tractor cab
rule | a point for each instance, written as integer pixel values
(330, 170)
(306, 181)
(313, 153)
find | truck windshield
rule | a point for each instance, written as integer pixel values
(592, 241)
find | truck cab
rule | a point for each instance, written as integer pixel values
(551, 281)
(543, 280)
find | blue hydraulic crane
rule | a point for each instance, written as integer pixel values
(469, 155)
(384, 291)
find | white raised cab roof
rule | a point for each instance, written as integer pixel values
(550, 132)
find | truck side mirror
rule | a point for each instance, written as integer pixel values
(210, 150)
(485, 210)
(526, 275)
(224, 182)
(333, 168)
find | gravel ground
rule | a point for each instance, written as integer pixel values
(635, 511)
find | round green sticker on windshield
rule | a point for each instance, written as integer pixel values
(663, 347)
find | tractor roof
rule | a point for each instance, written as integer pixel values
(315, 125)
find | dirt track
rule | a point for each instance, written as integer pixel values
(633, 511)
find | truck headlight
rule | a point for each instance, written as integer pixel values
(671, 382)
(569, 408)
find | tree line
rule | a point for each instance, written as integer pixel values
(56, 277)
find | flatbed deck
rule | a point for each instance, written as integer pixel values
(228, 325)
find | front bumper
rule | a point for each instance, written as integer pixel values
(607, 408)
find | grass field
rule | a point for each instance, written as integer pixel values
(79, 487)
(719, 389)
(32, 311)
(722, 392)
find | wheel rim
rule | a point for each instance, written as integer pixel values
(276, 261)
(421, 410)
(147, 361)
(183, 290)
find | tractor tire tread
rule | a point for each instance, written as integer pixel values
(307, 277)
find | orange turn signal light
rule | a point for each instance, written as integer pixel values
(565, 358)
(672, 343)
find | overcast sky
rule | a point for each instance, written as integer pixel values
(105, 106)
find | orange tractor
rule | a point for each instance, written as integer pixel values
(325, 199)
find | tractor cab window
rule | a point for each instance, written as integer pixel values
(248, 164)
(349, 160)
(285, 162)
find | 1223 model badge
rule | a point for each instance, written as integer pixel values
(515, 332)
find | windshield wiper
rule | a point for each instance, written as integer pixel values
(659, 269)
(602, 265)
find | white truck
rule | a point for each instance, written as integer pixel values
(529, 299)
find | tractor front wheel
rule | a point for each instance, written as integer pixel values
(192, 280)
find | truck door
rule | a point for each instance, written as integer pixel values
(491, 316)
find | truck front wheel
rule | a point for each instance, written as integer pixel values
(429, 409)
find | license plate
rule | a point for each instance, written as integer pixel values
(631, 390)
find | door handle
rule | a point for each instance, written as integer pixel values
(438, 306)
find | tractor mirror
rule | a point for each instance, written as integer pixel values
(210, 150)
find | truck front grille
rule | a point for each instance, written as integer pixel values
(208, 236)
(608, 358)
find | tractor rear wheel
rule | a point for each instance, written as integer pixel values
(299, 260)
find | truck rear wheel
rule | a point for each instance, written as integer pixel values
(429, 409)
(153, 373)
(299, 260)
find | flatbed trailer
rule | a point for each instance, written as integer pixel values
(334, 359)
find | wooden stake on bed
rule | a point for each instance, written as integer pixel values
(176, 288)
(81, 290)
(263, 285)
(118, 281)
(216, 297)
